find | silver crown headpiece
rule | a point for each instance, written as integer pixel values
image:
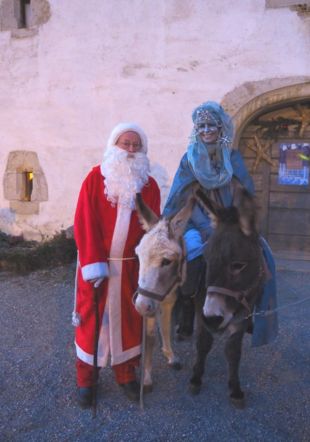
(205, 116)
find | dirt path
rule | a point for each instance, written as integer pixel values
(37, 384)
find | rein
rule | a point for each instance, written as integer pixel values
(177, 281)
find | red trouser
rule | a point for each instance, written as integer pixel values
(124, 372)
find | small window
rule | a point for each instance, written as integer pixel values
(23, 17)
(27, 185)
(25, 13)
(24, 182)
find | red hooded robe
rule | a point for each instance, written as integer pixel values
(104, 234)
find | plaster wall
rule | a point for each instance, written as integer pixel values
(66, 83)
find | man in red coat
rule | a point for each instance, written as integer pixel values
(107, 230)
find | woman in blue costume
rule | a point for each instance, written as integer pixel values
(212, 162)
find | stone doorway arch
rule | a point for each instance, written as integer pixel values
(273, 134)
(264, 102)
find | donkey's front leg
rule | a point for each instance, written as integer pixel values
(203, 346)
(233, 354)
(149, 350)
(165, 317)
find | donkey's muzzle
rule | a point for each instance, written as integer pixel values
(144, 306)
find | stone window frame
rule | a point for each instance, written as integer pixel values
(11, 17)
(20, 162)
(24, 21)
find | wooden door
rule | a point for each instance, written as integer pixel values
(279, 165)
(288, 223)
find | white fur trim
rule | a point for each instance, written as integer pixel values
(95, 270)
(115, 281)
(126, 355)
(125, 127)
(102, 360)
(88, 358)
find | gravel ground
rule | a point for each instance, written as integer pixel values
(37, 376)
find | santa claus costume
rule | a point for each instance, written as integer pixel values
(107, 230)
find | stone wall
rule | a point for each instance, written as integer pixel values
(82, 67)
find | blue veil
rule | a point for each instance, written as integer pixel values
(196, 164)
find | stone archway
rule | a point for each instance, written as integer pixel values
(273, 134)
(248, 100)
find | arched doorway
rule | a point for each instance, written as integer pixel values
(275, 143)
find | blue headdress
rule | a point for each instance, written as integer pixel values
(210, 174)
(196, 164)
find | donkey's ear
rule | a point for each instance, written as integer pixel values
(178, 222)
(146, 215)
(210, 206)
(247, 208)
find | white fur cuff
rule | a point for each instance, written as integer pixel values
(95, 270)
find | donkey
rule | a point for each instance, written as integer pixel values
(234, 276)
(234, 280)
(162, 269)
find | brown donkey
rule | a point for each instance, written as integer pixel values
(234, 281)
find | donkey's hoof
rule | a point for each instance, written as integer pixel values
(175, 365)
(238, 402)
(147, 388)
(194, 389)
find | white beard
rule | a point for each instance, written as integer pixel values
(124, 175)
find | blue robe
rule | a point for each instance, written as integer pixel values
(199, 229)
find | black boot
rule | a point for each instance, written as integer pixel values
(85, 396)
(186, 297)
(131, 390)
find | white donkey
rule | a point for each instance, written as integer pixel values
(162, 261)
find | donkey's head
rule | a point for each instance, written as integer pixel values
(234, 260)
(161, 255)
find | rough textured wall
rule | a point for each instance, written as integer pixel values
(8, 18)
(65, 83)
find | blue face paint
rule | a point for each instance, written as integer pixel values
(206, 123)
(206, 128)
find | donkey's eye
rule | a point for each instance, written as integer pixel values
(237, 267)
(165, 262)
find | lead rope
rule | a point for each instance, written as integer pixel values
(270, 312)
(142, 362)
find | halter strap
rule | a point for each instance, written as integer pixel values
(239, 296)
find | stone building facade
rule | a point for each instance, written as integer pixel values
(70, 70)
